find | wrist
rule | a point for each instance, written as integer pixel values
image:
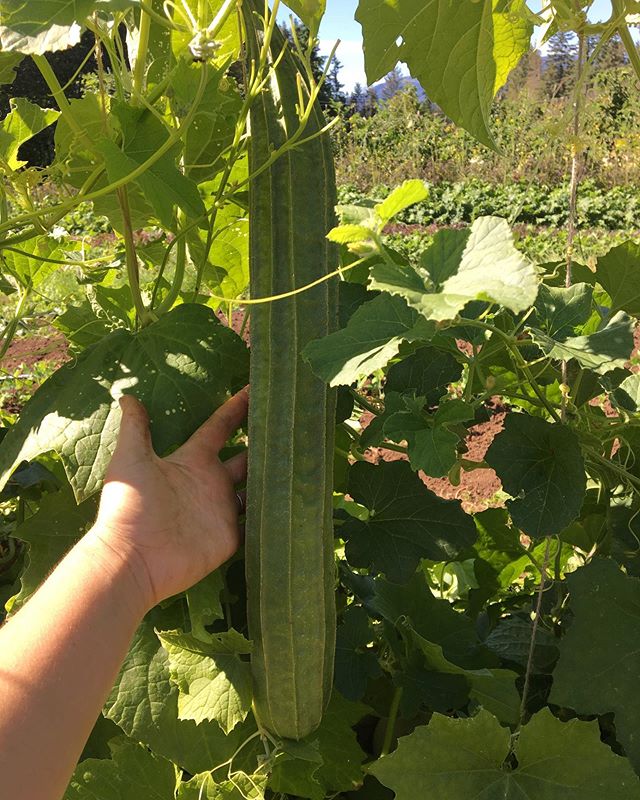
(123, 565)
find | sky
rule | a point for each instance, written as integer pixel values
(339, 23)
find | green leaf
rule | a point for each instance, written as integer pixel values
(162, 183)
(309, 11)
(618, 272)
(49, 39)
(627, 394)
(461, 53)
(428, 372)
(599, 657)
(489, 268)
(25, 263)
(464, 758)
(406, 522)
(203, 601)
(432, 618)
(431, 444)
(602, 352)
(355, 663)
(23, 121)
(213, 125)
(214, 684)
(180, 367)
(132, 773)
(541, 466)
(561, 311)
(370, 340)
(349, 234)
(8, 65)
(240, 787)
(226, 269)
(144, 703)
(408, 194)
(50, 533)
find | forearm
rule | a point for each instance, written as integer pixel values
(59, 657)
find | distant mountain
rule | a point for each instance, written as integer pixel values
(405, 80)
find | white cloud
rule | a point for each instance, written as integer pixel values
(351, 56)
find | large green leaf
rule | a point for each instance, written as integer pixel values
(453, 759)
(50, 533)
(462, 53)
(541, 467)
(214, 683)
(21, 123)
(608, 349)
(130, 774)
(618, 272)
(144, 703)
(8, 65)
(406, 522)
(462, 266)
(599, 657)
(181, 368)
(370, 340)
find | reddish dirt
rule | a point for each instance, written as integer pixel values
(47, 347)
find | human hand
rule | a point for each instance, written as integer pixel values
(173, 519)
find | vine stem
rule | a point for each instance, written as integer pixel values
(534, 633)
(139, 71)
(391, 722)
(133, 270)
(576, 164)
(12, 327)
(518, 361)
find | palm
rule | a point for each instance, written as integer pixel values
(180, 514)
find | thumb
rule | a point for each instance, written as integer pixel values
(134, 438)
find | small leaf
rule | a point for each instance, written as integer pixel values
(460, 758)
(349, 234)
(406, 522)
(541, 466)
(408, 194)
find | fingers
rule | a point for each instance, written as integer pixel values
(237, 467)
(212, 435)
(134, 437)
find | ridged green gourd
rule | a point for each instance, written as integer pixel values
(290, 566)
